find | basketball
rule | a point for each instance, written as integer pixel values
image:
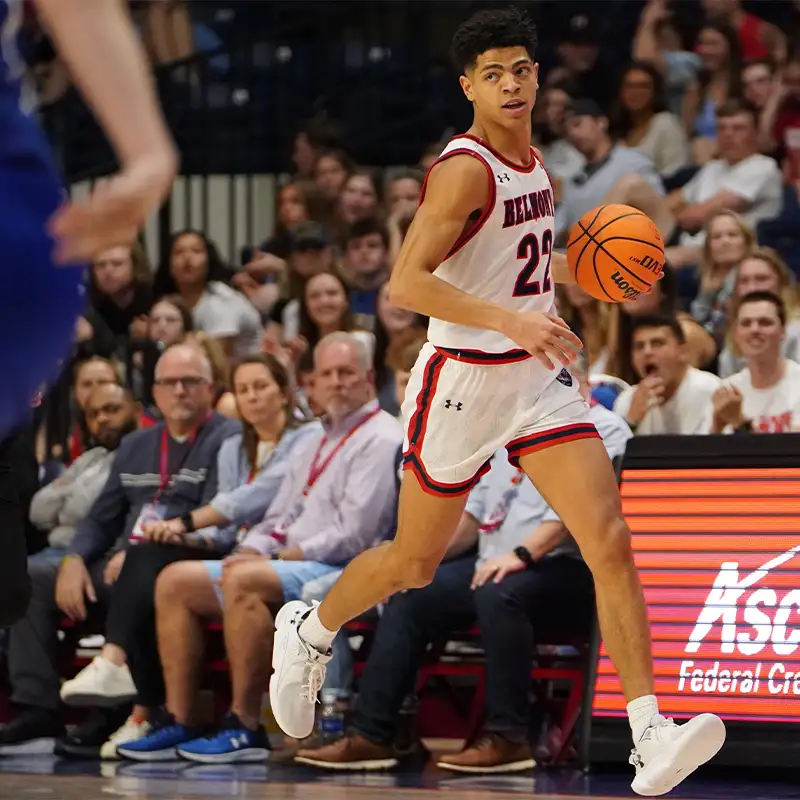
(615, 253)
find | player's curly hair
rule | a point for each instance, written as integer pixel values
(491, 28)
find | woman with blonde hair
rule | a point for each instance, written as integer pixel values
(728, 240)
(590, 319)
(763, 271)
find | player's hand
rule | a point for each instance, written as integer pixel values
(495, 569)
(114, 212)
(727, 401)
(649, 393)
(73, 587)
(545, 336)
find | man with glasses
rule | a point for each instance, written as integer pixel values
(164, 471)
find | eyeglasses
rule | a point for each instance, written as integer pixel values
(188, 382)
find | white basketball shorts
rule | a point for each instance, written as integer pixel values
(461, 406)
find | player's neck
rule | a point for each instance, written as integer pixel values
(766, 371)
(513, 144)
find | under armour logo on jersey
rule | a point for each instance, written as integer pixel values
(503, 178)
(451, 404)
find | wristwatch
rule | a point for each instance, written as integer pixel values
(524, 555)
(188, 522)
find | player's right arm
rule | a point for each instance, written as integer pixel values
(455, 188)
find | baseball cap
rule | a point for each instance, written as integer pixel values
(580, 29)
(310, 236)
(585, 107)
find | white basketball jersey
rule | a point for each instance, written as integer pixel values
(504, 255)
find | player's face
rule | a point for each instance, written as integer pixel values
(758, 330)
(502, 85)
(757, 275)
(656, 351)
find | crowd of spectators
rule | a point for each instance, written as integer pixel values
(233, 440)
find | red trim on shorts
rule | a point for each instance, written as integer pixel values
(540, 441)
(526, 168)
(412, 462)
(482, 357)
(419, 419)
(486, 212)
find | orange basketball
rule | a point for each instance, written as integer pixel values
(615, 253)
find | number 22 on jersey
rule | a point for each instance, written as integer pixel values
(531, 249)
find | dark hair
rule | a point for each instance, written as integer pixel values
(734, 59)
(307, 327)
(323, 133)
(371, 175)
(763, 297)
(621, 119)
(316, 204)
(489, 29)
(670, 321)
(408, 174)
(178, 302)
(381, 354)
(282, 377)
(366, 227)
(736, 106)
(337, 155)
(216, 269)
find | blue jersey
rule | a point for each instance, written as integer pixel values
(39, 302)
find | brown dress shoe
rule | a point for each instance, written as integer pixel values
(491, 753)
(352, 752)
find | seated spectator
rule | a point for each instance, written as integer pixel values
(728, 240)
(250, 469)
(671, 396)
(590, 319)
(313, 138)
(164, 471)
(718, 82)
(526, 566)
(758, 83)
(61, 505)
(764, 271)
(765, 396)
(359, 199)
(780, 124)
(643, 122)
(325, 513)
(741, 179)
(365, 268)
(195, 271)
(607, 163)
(330, 172)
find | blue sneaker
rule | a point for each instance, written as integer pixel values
(232, 744)
(160, 744)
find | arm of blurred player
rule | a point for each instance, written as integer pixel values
(100, 47)
(455, 188)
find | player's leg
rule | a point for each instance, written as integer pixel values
(664, 753)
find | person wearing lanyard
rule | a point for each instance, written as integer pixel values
(171, 465)
(527, 565)
(338, 498)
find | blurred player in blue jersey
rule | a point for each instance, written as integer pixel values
(42, 236)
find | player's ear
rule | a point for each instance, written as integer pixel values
(466, 85)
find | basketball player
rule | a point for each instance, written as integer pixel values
(41, 302)
(478, 260)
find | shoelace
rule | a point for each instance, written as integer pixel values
(635, 759)
(316, 677)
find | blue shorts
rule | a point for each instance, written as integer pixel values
(293, 575)
(40, 301)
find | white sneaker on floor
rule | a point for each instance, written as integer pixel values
(131, 731)
(101, 683)
(298, 673)
(667, 753)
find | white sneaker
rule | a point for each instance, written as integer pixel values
(298, 673)
(101, 683)
(131, 731)
(667, 753)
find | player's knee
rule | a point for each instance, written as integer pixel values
(409, 571)
(14, 603)
(611, 548)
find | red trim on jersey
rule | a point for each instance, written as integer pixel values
(482, 357)
(413, 463)
(529, 167)
(540, 441)
(419, 419)
(486, 212)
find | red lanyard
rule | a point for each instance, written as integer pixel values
(317, 468)
(163, 458)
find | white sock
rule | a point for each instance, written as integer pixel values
(313, 632)
(640, 715)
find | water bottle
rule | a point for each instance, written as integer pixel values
(331, 720)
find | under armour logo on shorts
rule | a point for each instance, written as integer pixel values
(451, 404)
(503, 178)
(564, 378)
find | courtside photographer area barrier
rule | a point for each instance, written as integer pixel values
(716, 534)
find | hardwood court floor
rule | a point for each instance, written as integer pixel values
(47, 778)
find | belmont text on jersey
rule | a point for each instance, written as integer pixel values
(502, 255)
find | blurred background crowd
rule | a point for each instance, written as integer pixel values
(306, 130)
